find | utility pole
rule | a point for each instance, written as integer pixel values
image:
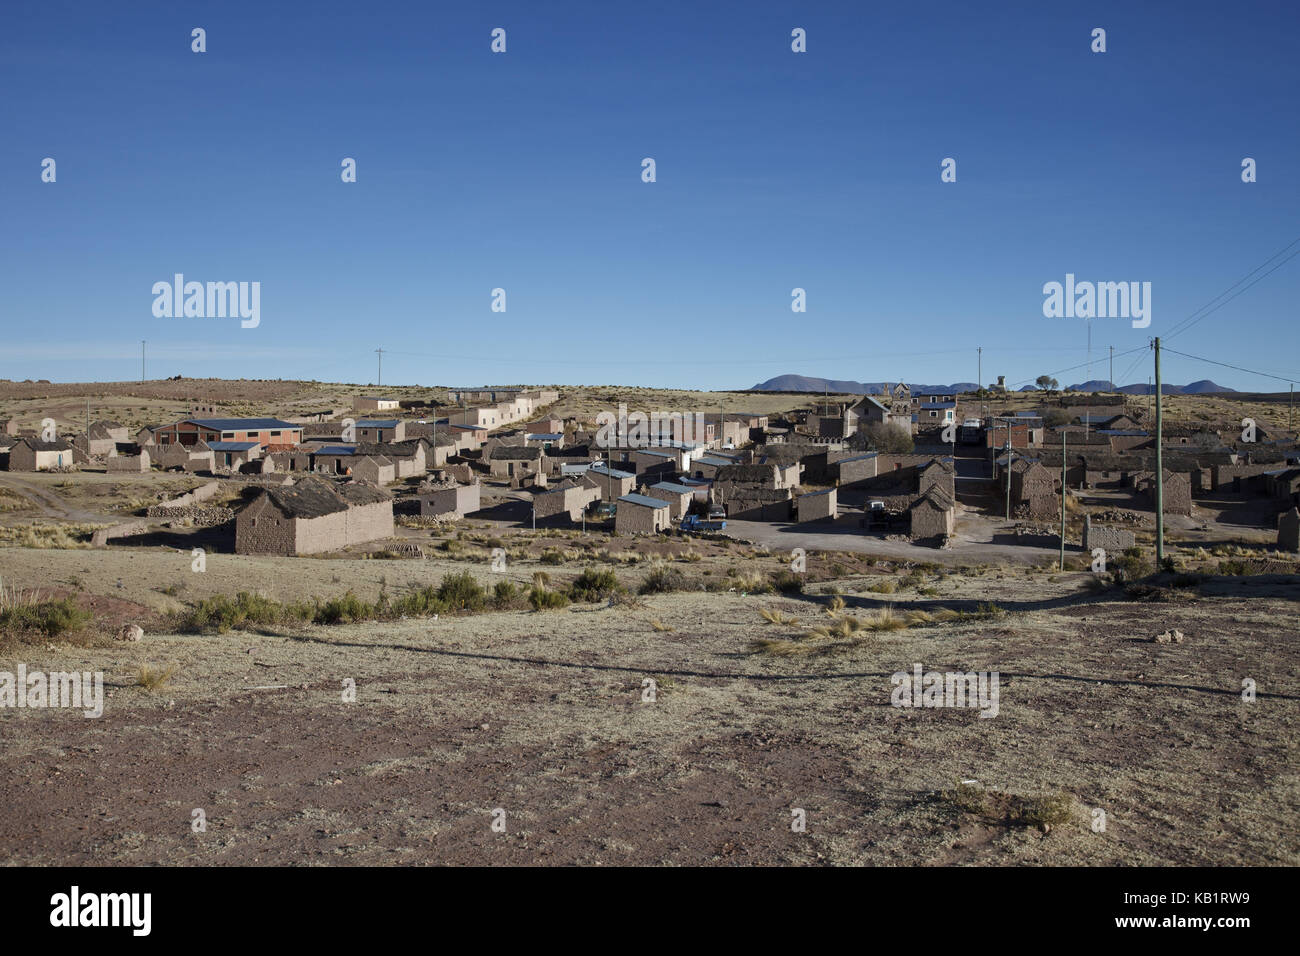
(142, 361)
(979, 378)
(1008, 475)
(1062, 500)
(1160, 466)
(1290, 408)
(1112, 368)
(380, 379)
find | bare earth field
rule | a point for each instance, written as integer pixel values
(541, 714)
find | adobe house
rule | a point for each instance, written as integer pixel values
(655, 462)
(409, 457)
(1035, 488)
(850, 471)
(458, 500)
(641, 514)
(937, 413)
(375, 403)
(933, 515)
(32, 454)
(8, 426)
(1177, 492)
(611, 483)
(547, 425)
(234, 454)
(313, 516)
(938, 471)
(273, 434)
(757, 504)
(1288, 530)
(818, 506)
(130, 463)
(515, 461)
(380, 430)
(376, 469)
(679, 497)
(570, 497)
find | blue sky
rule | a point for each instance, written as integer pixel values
(522, 171)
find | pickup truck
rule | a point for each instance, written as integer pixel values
(696, 523)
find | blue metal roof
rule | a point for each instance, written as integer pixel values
(241, 424)
(674, 487)
(646, 500)
(938, 404)
(378, 422)
(233, 445)
(336, 450)
(602, 470)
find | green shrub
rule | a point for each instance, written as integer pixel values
(505, 593)
(544, 600)
(594, 585)
(347, 609)
(787, 582)
(662, 580)
(462, 592)
(49, 618)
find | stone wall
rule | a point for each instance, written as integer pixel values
(199, 515)
(1113, 540)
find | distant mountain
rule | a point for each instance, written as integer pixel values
(808, 383)
(1203, 387)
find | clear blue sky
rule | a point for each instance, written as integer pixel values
(523, 171)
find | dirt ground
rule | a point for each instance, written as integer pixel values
(541, 715)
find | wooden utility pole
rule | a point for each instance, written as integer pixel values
(1160, 466)
(142, 361)
(1063, 499)
(380, 379)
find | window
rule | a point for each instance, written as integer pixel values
(275, 434)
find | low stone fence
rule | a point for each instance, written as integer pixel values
(102, 536)
(197, 515)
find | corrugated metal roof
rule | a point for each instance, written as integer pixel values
(241, 424)
(232, 445)
(674, 487)
(333, 450)
(647, 501)
(378, 422)
(602, 470)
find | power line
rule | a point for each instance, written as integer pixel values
(1206, 311)
(1252, 371)
(1140, 348)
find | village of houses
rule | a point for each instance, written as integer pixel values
(670, 684)
(341, 478)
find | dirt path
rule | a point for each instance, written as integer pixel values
(50, 504)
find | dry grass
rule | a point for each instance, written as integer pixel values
(776, 617)
(61, 537)
(1041, 811)
(153, 678)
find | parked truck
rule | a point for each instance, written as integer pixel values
(696, 523)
